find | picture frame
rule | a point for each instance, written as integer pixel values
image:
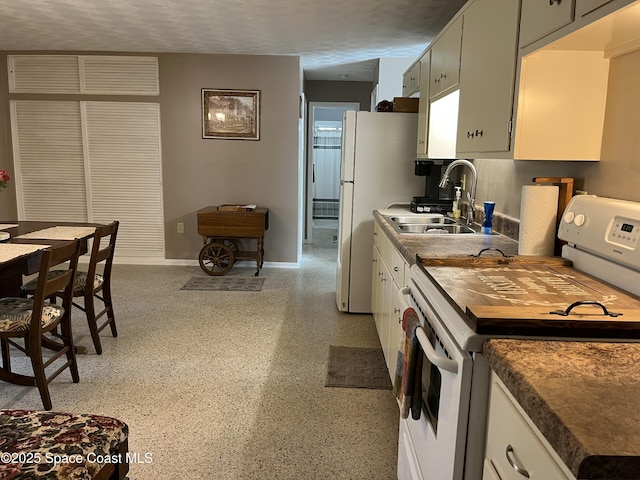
(231, 114)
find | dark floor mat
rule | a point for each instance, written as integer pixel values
(229, 284)
(353, 367)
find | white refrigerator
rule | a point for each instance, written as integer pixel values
(377, 169)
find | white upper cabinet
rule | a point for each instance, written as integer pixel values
(542, 17)
(423, 105)
(571, 75)
(584, 7)
(411, 80)
(445, 59)
(487, 76)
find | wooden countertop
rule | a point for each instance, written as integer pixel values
(582, 396)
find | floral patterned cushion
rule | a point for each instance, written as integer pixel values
(78, 284)
(55, 445)
(81, 281)
(15, 314)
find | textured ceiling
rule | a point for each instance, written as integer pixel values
(332, 37)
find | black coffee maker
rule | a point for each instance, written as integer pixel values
(435, 199)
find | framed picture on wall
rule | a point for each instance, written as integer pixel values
(231, 114)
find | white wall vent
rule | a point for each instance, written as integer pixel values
(109, 75)
(83, 74)
(43, 74)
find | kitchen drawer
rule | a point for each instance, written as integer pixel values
(385, 247)
(377, 232)
(390, 255)
(512, 441)
(397, 267)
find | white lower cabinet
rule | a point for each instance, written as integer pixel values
(489, 471)
(515, 448)
(386, 282)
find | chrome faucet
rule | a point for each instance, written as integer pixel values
(474, 183)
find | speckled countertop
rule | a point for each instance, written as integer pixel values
(583, 397)
(409, 245)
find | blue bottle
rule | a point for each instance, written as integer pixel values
(488, 217)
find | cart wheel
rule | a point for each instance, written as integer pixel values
(232, 243)
(216, 258)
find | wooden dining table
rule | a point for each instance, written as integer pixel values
(28, 233)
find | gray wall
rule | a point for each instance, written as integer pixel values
(327, 91)
(616, 175)
(199, 172)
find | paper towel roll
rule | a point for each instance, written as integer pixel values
(538, 212)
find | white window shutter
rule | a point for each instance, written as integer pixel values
(48, 153)
(43, 74)
(123, 158)
(119, 75)
(84, 74)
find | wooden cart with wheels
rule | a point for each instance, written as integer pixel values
(221, 227)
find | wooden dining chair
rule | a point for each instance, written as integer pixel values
(31, 318)
(92, 286)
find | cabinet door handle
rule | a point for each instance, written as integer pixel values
(479, 133)
(551, 2)
(396, 269)
(509, 453)
(396, 310)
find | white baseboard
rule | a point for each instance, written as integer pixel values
(188, 262)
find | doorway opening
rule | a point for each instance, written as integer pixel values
(324, 140)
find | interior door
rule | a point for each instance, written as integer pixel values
(320, 112)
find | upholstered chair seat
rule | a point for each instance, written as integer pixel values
(15, 314)
(79, 283)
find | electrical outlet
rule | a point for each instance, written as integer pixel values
(180, 227)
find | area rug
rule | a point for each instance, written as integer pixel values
(352, 367)
(228, 284)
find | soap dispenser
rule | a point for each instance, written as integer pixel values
(456, 203)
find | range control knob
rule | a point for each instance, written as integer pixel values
(579, 220)
(568, 217)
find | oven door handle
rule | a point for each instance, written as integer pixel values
(439, 361)
(433, 356)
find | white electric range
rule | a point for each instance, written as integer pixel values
(602, 235)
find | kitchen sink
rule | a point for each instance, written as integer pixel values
(434, 229)
(431, 225)
(422, 220)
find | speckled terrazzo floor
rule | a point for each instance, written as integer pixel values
(230, 385)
